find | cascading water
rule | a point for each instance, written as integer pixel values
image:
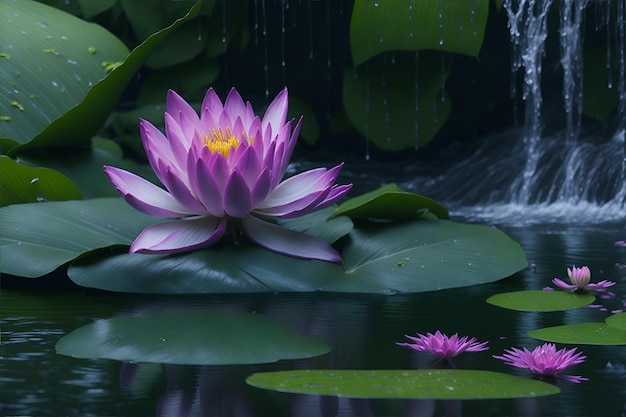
(573, 174)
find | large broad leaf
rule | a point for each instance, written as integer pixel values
(37, 238)
(223, 269)
(450, 25)
(190, 337)
(425, 255)
(84, 168)
(582, 334)
(540, 300)
(23, 184)
(398, 103)
(617, 320)
(77, 125)
(424, 383)
(51, 60)
(408, 257)
(390, 202)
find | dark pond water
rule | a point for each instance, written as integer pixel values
(362, 331)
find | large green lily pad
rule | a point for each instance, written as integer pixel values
(590, 333)
(190, 337)
(423, 383)
(37, 238)
(390, 202)
(412, 256)
(541, 300)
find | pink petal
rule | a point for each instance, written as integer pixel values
(237, 198)
(563, 285)
(212, 102)
(179, 189)
(145, 196)
(157, 148)
(182, 112)
(301, 185)
(179, 235)
(234, 105)
(276, 112)
(205, 186)
(287, 242)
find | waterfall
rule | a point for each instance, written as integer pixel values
(530, 173)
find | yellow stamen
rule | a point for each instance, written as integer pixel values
(221, 141)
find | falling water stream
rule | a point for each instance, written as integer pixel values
(531, 174)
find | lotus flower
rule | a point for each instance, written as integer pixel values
(443, 346)
(545, 360)
(580, 278)
(221, 170)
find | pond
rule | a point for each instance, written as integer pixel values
(361, 330)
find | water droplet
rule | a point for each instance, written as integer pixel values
(34, 180)
(163, 339)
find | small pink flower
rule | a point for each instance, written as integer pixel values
(580, 278)
(545, 360)
(443, 346)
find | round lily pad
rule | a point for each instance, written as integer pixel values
(590, 333)
(540, 300)
(190, 337)
(423, 383)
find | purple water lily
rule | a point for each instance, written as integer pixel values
(580, 280)
(443, 346)
(224, 168)
(545, 360)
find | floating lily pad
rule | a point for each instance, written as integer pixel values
(540, 300)
(190, 337)
(617, 320)
(424, 383)
(37, 238)
(390, 202)
(590, 333)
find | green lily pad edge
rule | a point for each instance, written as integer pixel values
(447, 384)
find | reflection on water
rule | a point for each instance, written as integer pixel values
(362, 330)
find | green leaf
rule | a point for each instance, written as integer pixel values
(79, 124)
(23, 184)
(540, 300)
(425, 255)
(390, 202)
(84, 168)
(451, 26)
(198, 76)
(410, 257)
(52, 60)
(590, 333)
(91, 8)
(385, 384)
(37, 238)
(401, 104)
(617, 320)
(190, 337)
(316, 224)
(221, 269)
